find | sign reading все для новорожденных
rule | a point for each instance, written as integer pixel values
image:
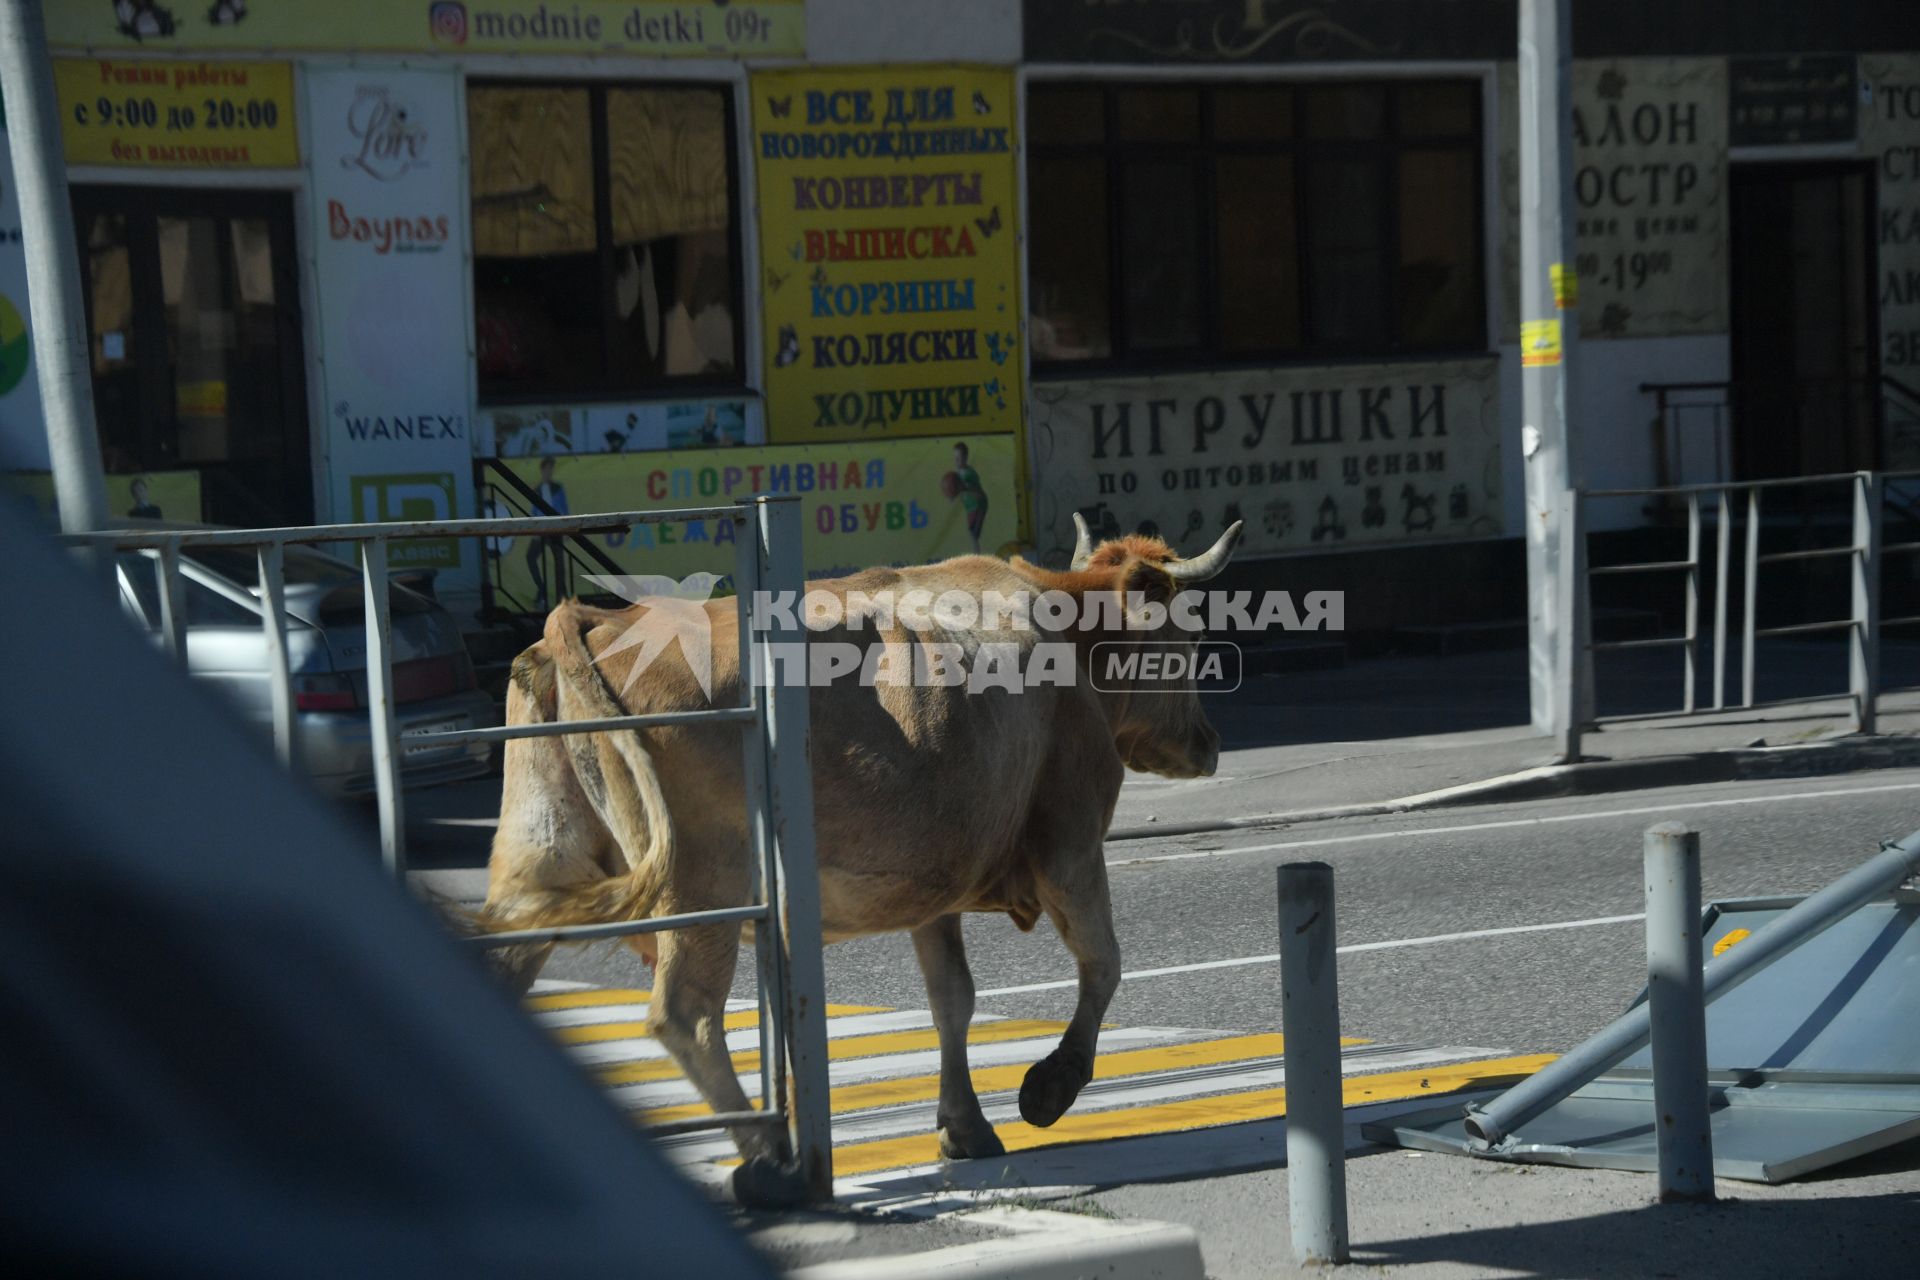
(649, 28)
(388, 194)
(890, 251)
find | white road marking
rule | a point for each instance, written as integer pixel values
(1509, 823)
(891, 1066)
(1390, 945)
(638, 1049)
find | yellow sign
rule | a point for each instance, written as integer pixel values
(890, 252)
(1539, 342)
(651, 28)
(145, 495)
(201, 399)
(901, 502)
(1566, 286)
(177, 115)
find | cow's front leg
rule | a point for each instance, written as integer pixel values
(1074, 892)
(964, 1131)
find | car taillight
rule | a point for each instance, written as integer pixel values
(324, 693)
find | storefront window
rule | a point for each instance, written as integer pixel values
(605, 256)
(1177, 225)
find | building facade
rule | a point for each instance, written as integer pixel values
(956, 271)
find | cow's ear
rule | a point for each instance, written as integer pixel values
(1144, 581)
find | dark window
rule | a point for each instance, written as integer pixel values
(605, 235)
(1178, 225)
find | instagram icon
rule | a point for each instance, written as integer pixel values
(447, 20)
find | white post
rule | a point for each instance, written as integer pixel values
(1310, 1040)
(790, 748)
(380, 708)
(57, 314)
(1677, 1013)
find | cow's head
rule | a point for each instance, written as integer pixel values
(1159, 726)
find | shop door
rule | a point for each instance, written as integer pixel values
(1805, 332)
(194, 318)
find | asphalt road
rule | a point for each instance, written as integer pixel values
(1443, 883)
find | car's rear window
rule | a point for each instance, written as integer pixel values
(240, 566)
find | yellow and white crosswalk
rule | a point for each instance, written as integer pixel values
(884, 1070)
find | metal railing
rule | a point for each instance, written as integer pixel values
(1745, 503)
(772, 716)
(499, 489)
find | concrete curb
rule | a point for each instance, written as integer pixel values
(1852, 754)
(1041, 1245)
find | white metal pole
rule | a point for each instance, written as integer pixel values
(790, 749)
(1310, 1039)
(1549, 325)
(380, 708)
(1677, 1013)
(271, 558)
(57, 313)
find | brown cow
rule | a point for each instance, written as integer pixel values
(930, 801)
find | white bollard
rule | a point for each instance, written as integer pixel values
(1310, 1027)
(1677, 1012)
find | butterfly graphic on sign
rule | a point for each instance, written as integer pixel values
(781, 107)
(981, 106)
(819, 277)
(775, 279)
(989, 224)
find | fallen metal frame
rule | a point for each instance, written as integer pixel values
(1594, 1107)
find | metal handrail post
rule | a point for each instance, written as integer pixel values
(763, 873)
(1693, 601)
(386, 761)
(1677, 1013)
(1863, 655)
(789, 732)
(1490, 1126)
(271, 559)
(173, 601)
(1747, 622)
(1722, 560)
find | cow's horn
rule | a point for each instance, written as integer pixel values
(1082, 543)
(1202, 567)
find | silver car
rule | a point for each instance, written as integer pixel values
(433, 679)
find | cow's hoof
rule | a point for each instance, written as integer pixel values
(1049, 1089)
(978, 1143)
(764, 1183)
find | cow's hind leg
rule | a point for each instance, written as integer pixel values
(687, 1015)
(1074, 892)
(964, 1131)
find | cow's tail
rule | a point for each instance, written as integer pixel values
(618, 776)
